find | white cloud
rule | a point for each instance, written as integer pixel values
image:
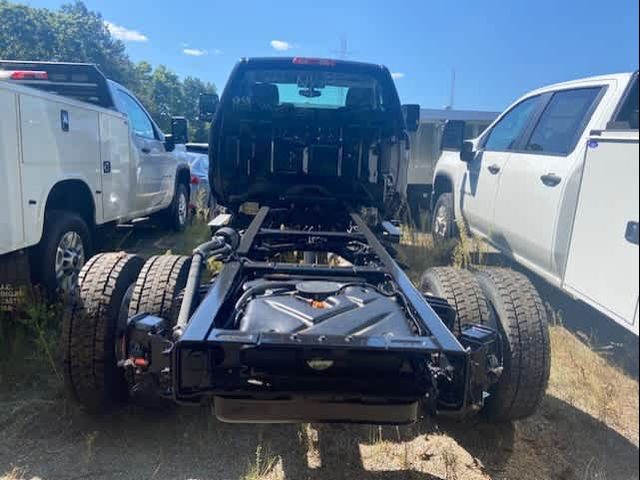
(194, 52)
(121, 33)
(217, 51)
(281, 45)
(397, 75)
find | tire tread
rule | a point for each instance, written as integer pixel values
(524, 322)
(89, 323)
(463, 292)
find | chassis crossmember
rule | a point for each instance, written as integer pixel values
(278, 376)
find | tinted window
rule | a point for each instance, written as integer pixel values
(506, 132)
(473, 130)
(427, 142)
(140, 122)
(627, 117)
(562, 121)
(303, 88)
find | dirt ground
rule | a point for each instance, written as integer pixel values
(587, 428)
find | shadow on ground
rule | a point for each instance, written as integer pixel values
(52, 443)
(47, 438)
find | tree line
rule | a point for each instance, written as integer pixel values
(76, 34)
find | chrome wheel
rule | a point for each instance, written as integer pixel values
(441, 222)
(69, 261)
(182, 209)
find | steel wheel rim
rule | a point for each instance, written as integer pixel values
(441, 221)
(69, 261)
(182, 209)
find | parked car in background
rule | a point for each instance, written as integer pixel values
(553, 184)
(198, 158)
(77, 151)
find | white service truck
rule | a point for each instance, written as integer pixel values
(553, 184)
(77, 151)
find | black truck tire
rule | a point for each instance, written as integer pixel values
(461, 289)
(158, 291)
(443, 221)
(158, 287)
(526, 352)
(90, 329)
(62, 229)
(177, 215)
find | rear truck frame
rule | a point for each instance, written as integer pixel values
(157, 331)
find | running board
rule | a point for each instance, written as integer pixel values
(134, 222)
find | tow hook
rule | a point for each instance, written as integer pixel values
(146, 348)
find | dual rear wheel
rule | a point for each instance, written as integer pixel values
(112, 287)
(507, 301)
(115, 286)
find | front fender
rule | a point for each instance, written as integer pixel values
(451, 168)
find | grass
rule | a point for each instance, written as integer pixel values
(580, 378)
(263, 465)
(468, 251)
(589, 383)
(29, 342)
(14, 474)
(451, 467)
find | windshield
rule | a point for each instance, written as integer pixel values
(325, 89)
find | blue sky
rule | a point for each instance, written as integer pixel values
(499, 48)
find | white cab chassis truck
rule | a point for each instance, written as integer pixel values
(553, 184)
(77, 151)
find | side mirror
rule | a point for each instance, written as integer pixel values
(208, 103)
(453, 135)
(180, 130)
(169, 143)
(468, 151)
(411, 114)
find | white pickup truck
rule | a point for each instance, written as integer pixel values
(77, 151)
(553, 184)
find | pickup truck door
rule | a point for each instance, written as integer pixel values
(483, 175)
(118, 187)
(148, 154)
(539, 184)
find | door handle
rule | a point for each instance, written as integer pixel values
(632, 233)
(145, 150)
(493, 168)
(550, 179)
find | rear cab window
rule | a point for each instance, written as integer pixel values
(323, 90)
(563, 121)
(626, 117)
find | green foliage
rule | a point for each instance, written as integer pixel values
(31, 333)
(75, 34)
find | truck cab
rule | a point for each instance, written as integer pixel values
(523, 185)
(299, 130)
